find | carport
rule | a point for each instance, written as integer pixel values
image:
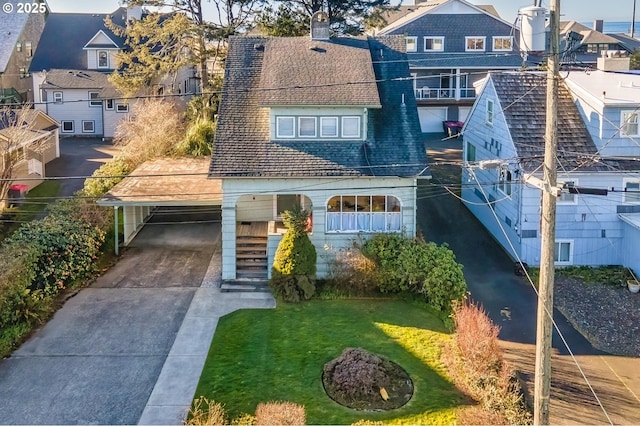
(161, 183)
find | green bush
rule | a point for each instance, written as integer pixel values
(294, 266)
(198, 141)
(106, 177)
(410, 264)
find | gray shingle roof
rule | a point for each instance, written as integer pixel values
(242, 143)
(65, 35)
(465, 60)
(11, 26)
(75, 79)
(342, 67)
(523, 100)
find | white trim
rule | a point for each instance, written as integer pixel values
(484, 43)
(122, 110)
(623, 123)
(293, 127)
(58, 97)
(315, 126)
(96, 99)
(106, 104)
(564, 262)
(636, 199)
(489, 116)
(415, 43)
(88, 45)
(62, 130)
(495, 38)
(335, 135)
(93, 126)
(424, 43)
(505, 182)
(98, 59)
(349, 117)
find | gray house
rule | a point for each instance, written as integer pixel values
(597, 220)
(329, 123)
(451, 44)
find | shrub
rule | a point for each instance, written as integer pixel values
(106, 177)
(476, 362)
(350, 274)
(410, 264)
(244, 420)
(205, 412)
(198, 141)
(294, 265)
(280, 413)
(83, 210)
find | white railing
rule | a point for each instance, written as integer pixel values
(440, 93)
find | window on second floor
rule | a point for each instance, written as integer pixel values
(57, 97)
(504, 44)
(103, 59)
(412, 44)
(28, 48)
(93, 99)
(505, 182)
(629, 123)
(474, 44)
(18, 47)
(314, 127)
(489, 117)
(434, 44)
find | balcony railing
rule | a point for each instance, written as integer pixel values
(439, 93)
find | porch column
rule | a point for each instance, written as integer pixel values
(129, 223)
(458, 89)
(228, 231)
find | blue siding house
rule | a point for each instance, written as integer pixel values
(451, 44)
(598, 212)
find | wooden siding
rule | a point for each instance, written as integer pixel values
(75, 107)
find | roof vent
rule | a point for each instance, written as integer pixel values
(258, 46)
(320, 26)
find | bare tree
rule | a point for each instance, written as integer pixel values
(18, 136)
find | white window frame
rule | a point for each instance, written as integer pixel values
(315, 127)
(467, 155)
(408, 41)
(62, 126)
(18, 47)
(505, 182)
(490, 112)
(630, 200)
(94, 101)
(359, 127)
(556, 254)
(467, 39)
(390, 218)
(93, 126)
(322, 134)
(109, 104)
(566, 197)
(98, 52)
(58, 97)
(28, 48)
(503, 38)
(293, 127)
(625, 121)
(122, 108)
(433, 38)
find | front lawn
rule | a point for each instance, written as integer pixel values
(268, 355)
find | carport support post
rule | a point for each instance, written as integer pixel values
(115, 231)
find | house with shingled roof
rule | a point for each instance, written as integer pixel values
(503, 144)
(451, 44)
(20, 34)
(329, 123)
(582, 45)
(70, 69)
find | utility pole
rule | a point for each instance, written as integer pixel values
(542, 388)
(633, 20)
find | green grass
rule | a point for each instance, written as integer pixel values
(36, 202)
(266, 355)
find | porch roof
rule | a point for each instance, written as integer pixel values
(167, 182)
(632, 219)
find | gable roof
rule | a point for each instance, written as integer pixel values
(11, 26)
(242, 142)
(342, 67)
(66, 34)
(522, 97)
(432, 6)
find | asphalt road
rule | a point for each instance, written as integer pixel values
(511, 303)
(98, 359)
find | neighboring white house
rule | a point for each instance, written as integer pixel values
(76, 54)
(319, 122)
(597, 213)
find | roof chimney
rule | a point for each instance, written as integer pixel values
(320, 26)
(598, 25)
(614, 60)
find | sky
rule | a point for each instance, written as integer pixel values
(576, 10)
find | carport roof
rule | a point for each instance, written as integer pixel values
(166, 182)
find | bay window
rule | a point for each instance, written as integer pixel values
(364, 213)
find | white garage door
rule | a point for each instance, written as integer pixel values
(431, 119)
(463, 113)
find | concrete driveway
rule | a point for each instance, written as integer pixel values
(511, 303)
(98, 359)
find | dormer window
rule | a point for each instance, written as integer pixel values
(434, 44)
(103, 59)
(474, 44)
(28, 48)
(18, 47)
(502, 44)
(318, 127)
(412, 44)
